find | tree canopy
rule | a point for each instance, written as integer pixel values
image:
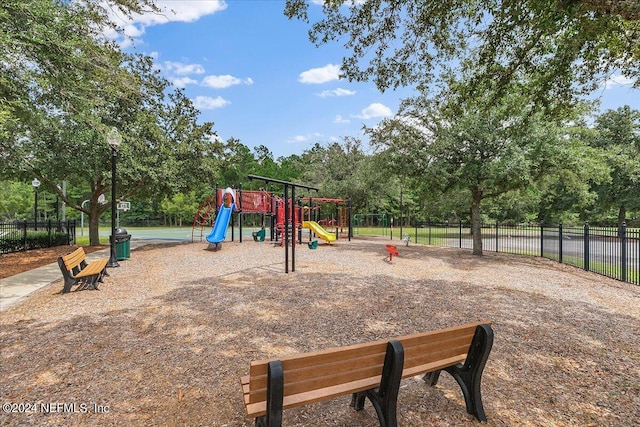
(64, 87)
(485, 152)
(561, 48)
(617, 137)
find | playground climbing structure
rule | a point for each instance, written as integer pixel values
(247, 202)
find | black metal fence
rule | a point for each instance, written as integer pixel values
(18, 236)
(611, 251)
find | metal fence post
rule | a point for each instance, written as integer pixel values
(541, 241)
(429, 230)
(460, 232)
(497, 225)
(623, 252)
(586, 246)
(560, 243)
(24, 236)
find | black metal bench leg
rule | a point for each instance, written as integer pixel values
(68, 284)
(431, 378)
(384, 398)
(275, 396)
(357, 400)
(82, 284)
(469, 375)
(94, 283)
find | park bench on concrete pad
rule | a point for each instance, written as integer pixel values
(76, 270)
(370, 370)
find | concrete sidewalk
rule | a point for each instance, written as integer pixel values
(16, 289)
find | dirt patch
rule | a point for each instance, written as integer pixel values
(18, 262)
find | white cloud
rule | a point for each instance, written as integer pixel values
(336, 92)
(375, 110)
(320, 75)
(304, 138)
(221, 82)
(181, 69)
(182, 82)
(178, 72)
(208, 103)
(617, 80)
(340, 119)
(171, 11)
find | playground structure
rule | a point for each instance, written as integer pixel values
(246, 202)
(286, 216)
(339, 219)
(303, 213)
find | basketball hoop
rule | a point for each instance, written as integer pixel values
(124, 206)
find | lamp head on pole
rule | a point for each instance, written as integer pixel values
(35, 183)
(113, 138)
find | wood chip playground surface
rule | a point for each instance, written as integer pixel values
(171, 331)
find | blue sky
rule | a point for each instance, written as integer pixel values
(256, 75)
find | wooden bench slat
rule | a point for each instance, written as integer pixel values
(90, 270)
(73, 259)
(435, 336)
(328, 366)
(259, 367)
(259, 408)
(326, 381)
(439, 341)
(416, 358)
(433, 366)
(328, 369)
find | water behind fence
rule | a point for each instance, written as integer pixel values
(610, 251)
(18, 236)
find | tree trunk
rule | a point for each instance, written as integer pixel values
(622, 216)
(94, 223)
(476, 222)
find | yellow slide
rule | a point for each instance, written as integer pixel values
(320, 232)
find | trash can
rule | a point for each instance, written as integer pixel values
(123, 244)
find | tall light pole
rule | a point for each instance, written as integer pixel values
(35, 184)
(113, 139)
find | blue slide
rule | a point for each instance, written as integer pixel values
(219, 231)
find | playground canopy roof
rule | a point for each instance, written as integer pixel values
(285, 183)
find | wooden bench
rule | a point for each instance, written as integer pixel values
(370, 370)
(392, 250)
(76, 270)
